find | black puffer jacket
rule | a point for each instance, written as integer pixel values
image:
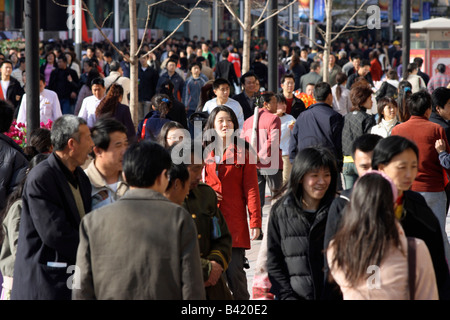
(12, 167)
(295, 250)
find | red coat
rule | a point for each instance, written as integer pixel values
(237, 182)
(375, 70)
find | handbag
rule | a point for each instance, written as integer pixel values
(412, 267)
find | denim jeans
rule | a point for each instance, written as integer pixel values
(350, 174)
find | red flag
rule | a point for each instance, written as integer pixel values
(84, 30)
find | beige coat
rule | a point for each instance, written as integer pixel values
(123, 81)
(392, 275)
(143, 246)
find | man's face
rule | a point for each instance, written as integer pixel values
(62, 64)
(171, 66)
(195, 173)
(6, 69)
(444, 111)
(195, 71)
(363, 161)
(89, 53)
(112, 157)
(288, 86)
(86, 67)
(98, 91)
(222, 92)
(83, 147)
(249, 84)
(304, 54)
(356, 63)
(41, 86)
(143, 61)
(363, 71)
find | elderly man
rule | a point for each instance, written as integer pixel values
(57, 194)
(158, 257)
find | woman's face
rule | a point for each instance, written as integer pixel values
(174, 135)
(281, 108)
(315, 184)
(223, 124)
(389, 111)
(368, 103)
(402, 169)
(50, 58)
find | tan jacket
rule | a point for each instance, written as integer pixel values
(102, 194)
(390, 280)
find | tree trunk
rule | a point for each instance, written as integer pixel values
(327, 51)
(247, 36)
(134, 58)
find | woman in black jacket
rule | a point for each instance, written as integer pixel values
(296, 226)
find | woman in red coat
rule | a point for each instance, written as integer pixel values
(230, 171)
(375, 66)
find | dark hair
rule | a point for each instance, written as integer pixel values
(6, 61)
(321, 91)
(409, 69)
(162, 136)
(382, 103)
(6, 115)
(267, 96)
(419, 103)
(193, 64)
(280, 97)
(180, 172)
(220, 81)
(162, 104)
(439, 97)
(314, 65)
(143, 162)
(306, 160)
(404, 91)
(102, 129)
(92, 74)
(40, 140)
(418, 61)
(62, 57)
(287, 75)
(341, 77)
(392, 74)
(389, 147)
(441, 68)
(108, 105)
(247, 75)
(98, 81)
(368, 223)
(365, 143)
(206, 94)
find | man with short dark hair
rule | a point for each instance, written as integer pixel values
(440, 114)
(10, 89)
(105, 171)
(440, 79)
(148, 83)
(363, 71)
(225, 69)
(90, 104)
(420, 73)
(107, 57)
(158, 252)
(319, 124)
(246, 97)
(174, 77)
(312, 77)
(56, 196)
(294, 106)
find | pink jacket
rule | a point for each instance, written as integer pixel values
(390, 280)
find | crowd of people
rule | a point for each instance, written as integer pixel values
(358, 174)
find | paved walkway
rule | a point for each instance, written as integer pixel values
(252, 253)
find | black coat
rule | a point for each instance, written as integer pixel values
(13, 164)
(14, 94)
(49, 232)
(418, 221)
(386, 90)
(246, 108)
(436, 118)
(294, 250)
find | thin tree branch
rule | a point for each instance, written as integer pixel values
(274, 14)
(226, 4)
(348, 22)
(263, 11)
(145, 30)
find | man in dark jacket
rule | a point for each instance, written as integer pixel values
(441, 108)
(56, 196)
(294, 106)
(247, 96)
(10, 90)
(225, 70)
(147, 79)
(65, 82)
(260, 69)
(318, 125)
(13, 162)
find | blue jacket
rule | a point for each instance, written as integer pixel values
(153, 124)
(318, 125)
(191, 92)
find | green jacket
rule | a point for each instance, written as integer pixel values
(214, 238)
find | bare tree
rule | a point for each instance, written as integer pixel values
(248, 27)
(329, 36)
(135, 47)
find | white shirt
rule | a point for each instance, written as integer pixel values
(343, 105)
(87, 110)
(49, 107)
(286, 133)
(231, 103)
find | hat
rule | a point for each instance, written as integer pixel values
(396, 43)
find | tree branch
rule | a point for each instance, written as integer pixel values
(226, 4)
(348, 22)
(263, 11)
(274, 14)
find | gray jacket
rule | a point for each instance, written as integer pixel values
(141, 247)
